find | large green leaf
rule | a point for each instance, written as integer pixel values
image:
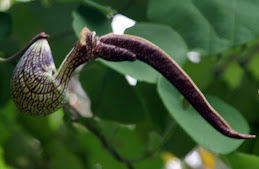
(111, 96)
(93, 16)
(5, 25)
(165, 38)
(29, 19)
(197, 127)
(135, 9)
(209, 26)
(241, 161)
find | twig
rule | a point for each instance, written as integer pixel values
(220, 69)
(165, 137)
(105, 143)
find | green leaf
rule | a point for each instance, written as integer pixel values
(179, 143)
(154, 141)
(240, 161)
(136, 10)
(126, 142)
(22, 151)
(155, 111)
(153, 162)
(209, 26)
(123, 140)
(93, 16)
(2, 161)
(201, 72)
(31, 18)
(233, 75)
(253, 65)
(61, 157)
(111, 96)
(165, 38)
(5, 25)
(65, 1)
(96, 156)
(244, 98)
(33, 125)
(199, 130)
(6, 73)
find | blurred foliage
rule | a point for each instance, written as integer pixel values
(136, 122)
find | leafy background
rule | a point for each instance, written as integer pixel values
(150, 123)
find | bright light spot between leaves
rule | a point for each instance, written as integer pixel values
(131, 80)
(120, 23)
(4, 5)
(194, 57)
(193, 159)
(173, 164)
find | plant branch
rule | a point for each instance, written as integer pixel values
(166, 135)
(78, 118)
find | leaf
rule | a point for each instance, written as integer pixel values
(55, 20)
(22, 151)
(233, 75)
(154, 141)
(153, 162)
(165, 38)
(196, 127)
(244, 98)
(2, 161)
(201, 72)
(5, 25)
(124, 140)
(111, 96)
(93, 16)
(179, 143)
(60, 156)
(6, 73)
(240, 161)
(155, 112)
(135, 9)
(33, 125)
(253, 65)
(127, 143)
(208, 26)
(96, 156)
